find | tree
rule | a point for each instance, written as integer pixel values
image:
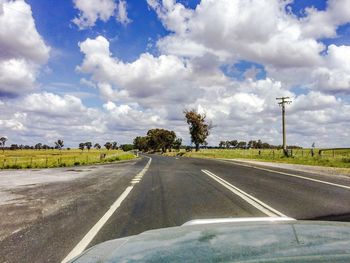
(242, 145)
(38, 146)
(127, 147)
(97, 146)
(198, 127)
(108, 145)
(45, 147)
(222, 144)
(2, 142)
(160, 139)
(114, 145)
(141, 143)
(59, 144)
(177, 144)
(88, 145)
(13, 147)
(234, 143)
(81, 146)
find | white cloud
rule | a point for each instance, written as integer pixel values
(22, 49)
(92, 10)
(324, 23)
(122, 13)
(260, 31)
(144, 78)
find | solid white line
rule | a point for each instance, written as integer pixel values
(82, 245)
(263, 207)
(293, 175)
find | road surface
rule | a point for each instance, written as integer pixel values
(171, 192)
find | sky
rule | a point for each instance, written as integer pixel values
(110, 70)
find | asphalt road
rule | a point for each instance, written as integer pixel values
(172, 192)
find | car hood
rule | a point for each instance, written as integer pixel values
(226, 241)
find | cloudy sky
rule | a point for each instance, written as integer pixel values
(101, 70)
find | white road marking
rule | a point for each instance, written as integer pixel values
(81, 246)
(293, 175)
(266, 209)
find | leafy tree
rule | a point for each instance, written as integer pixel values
(160, 139)
(82, 146)
(234, 143)
(141, 143)
(198, 126)
(108, 145)
(88, 145)
(97, 146)
(59, 144)
(259, 144)
(222, 144)
(38, 146)
(14, 147)
(242, 145)
(45, 147)
(2, 142)
(177, 143)
(127, 147)
(114, 145)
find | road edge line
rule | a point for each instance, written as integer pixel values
(288, 174)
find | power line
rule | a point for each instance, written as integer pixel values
(282, 102)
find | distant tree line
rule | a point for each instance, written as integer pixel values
(253, 144)
(158, 140)
(59, 144)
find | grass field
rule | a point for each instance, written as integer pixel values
(19, 159)
(330, 158)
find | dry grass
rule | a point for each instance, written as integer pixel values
(19, 159)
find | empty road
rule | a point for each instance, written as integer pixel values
(168, 192)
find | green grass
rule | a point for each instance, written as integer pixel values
(21, 159)
(338, 158)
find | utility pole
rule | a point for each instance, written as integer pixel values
(282, 102)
